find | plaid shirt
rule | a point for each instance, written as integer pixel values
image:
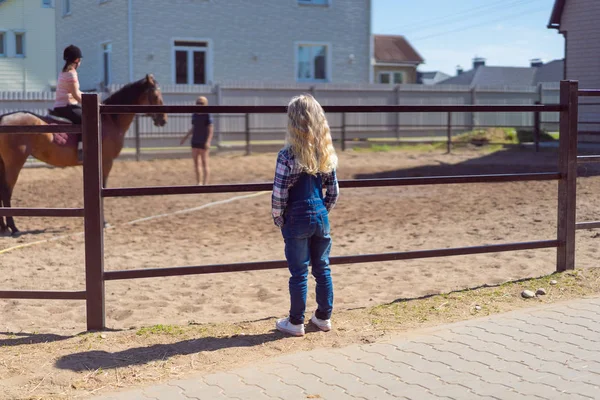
(287, 173)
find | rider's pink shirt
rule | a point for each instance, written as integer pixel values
(68, 82)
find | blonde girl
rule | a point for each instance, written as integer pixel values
(306, 163)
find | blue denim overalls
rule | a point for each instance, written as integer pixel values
(307, 241)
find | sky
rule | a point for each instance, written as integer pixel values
(448, 33)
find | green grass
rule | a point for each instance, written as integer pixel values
(160, 330)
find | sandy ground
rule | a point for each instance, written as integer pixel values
(364, 221)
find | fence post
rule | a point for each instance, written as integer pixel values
(94, 219)
(343, 139)
(536, 128)
(138, 147)
(218, 95)
(397, 114)
(248, 149)
(449, 133)
(473, 102)
(567, 185)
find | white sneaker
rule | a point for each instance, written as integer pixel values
(284, 325)
(322, 324)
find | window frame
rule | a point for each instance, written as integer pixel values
(67, 10)
(391, 75)
(108, 51)
(208, 59)
(310, 3)
(3, 36)
(16, 34)
(328, 62)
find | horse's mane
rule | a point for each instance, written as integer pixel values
(128, 93)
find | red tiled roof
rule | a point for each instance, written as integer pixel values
(395, 49)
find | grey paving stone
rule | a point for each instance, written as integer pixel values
(165, 392)
(197, 389)
(271, 384)
(310, 383)
(547, 353)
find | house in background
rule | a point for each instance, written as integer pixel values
(431, 78)
(27, 45)
(578, 22)
(481, 74)
(209, 42)
(395, 60)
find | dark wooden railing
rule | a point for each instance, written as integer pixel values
(94, 193)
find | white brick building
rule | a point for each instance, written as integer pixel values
(27, 45)
(213, 41)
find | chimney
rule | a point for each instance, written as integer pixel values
(459, 70)
(478, 62)
(536, 62)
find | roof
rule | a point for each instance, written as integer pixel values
(514, 76)
(555, 17)
(395, 49)
(550, 71)
(431, 77)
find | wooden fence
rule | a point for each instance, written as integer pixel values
(94, 193)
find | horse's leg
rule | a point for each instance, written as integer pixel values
(3, 187)
(106, 168)
(11, 174)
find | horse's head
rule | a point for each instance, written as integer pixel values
(153, 96)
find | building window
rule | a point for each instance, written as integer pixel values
(391, 77)
(191, 64)
(2, 44)
(314, 2)
(106, 63)
(312, 62)
(20, 44)
(47, 4)
(66, 7)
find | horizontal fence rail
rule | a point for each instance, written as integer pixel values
(354, 183)
(41, 212)
(588, 159)
(117, 109)
(24, 129)
(42, 295)
(588, 225)
(354, 259)
(588, 93)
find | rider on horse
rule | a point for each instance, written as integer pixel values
(68, 95)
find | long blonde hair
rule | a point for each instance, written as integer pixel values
(308, 136)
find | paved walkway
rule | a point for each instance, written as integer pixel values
(544, 353)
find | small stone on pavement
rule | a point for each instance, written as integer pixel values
(541, 292)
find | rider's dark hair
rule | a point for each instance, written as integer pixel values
(70, 54)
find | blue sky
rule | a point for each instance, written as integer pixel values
(448, 33)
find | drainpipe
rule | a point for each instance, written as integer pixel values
(130, 34)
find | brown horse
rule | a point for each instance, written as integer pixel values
(14, 149)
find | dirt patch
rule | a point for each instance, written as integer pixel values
(43, 355)
(46, 366)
